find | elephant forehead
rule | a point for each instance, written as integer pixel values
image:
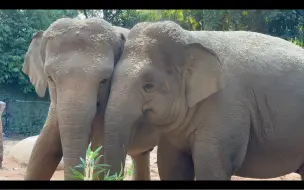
(157, 45)
(85, 62)
(92, 24)
(162, 31)
(134, 66)
(139, 46)
(94, 30)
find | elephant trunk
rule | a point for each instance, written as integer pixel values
(75, 115)
(120, 118)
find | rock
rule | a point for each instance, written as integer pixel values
(21, 152)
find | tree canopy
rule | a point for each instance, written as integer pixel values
(18, 26)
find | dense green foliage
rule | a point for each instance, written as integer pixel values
(16, 30)
(18, 26)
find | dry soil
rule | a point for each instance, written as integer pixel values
(13, 171)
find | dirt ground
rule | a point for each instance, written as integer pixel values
(13, 171)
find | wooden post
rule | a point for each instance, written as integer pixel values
(2, 107)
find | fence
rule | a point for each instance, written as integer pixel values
(22, 119)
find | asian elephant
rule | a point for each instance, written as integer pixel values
(224, 103)
(75, 59)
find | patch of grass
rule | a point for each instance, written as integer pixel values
(92, 169)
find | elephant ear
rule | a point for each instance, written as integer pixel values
(203, 73)
(33, 65)
(122, 41)
(123, 32)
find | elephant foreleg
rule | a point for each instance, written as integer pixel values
(210, 163)
(172, 163)
(142, 166)
(47, 151)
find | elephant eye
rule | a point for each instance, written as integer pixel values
(104, 81)
(50, 79)
(148, 87)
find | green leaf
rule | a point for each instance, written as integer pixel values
(95, 153)
(89, 149)
(101, 165)
(15, 69)
(130, 171)
(83, 161)
(107, 177)
(97, 173)
(77, 174)
(121, 170)
(98, 159)
(79, 166)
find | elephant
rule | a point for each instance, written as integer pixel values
(2, 107)
(222, 103)
(75, 59)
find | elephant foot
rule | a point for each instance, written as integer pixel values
(300, 171)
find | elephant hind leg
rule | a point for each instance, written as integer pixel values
(47, 151)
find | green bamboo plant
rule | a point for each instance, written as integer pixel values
(92, 169)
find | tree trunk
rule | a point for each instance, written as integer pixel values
(85, 13)
(2, 107)
(106, 14)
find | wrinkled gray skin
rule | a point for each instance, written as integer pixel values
(225, 103)
(2, 107)
(75, 59)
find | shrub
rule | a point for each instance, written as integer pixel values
(90, 164)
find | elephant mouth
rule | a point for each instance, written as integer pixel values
(138, 125)
(159, 123)
(165, 127)
(135, 129)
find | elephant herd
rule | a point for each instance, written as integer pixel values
(216, 103)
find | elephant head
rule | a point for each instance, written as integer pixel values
(163, 72)
(75, 59)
